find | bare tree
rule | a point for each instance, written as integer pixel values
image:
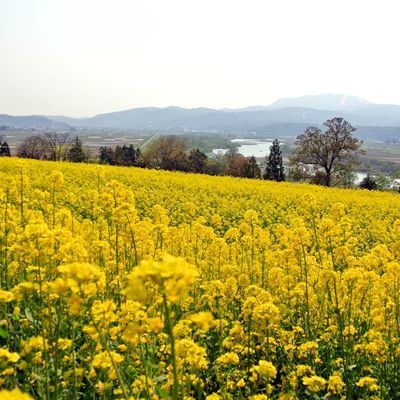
(32, 147)
(329, 154)
(240, 166)
(235, 162)
(168, 152)
(56, 145)
(49, 146)
(251, 169)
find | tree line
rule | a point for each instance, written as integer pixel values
(166, 153)
(4, 149)
(321, 157)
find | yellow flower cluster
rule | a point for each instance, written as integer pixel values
(14, 394)
(170, 277)
(122, 283)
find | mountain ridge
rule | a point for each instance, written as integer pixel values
(31, 121)
(326, 101)
(309, 109)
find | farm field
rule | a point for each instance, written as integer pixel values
(125, 283)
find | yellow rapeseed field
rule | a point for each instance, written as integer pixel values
(122, 283)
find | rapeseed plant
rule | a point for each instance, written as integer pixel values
(137, 284)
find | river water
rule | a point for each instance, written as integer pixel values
(260, 149)
(249, 147)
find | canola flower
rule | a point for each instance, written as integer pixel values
(170, 277)
(122, 283)
(14, 394)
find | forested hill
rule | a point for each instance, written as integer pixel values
(285, 117)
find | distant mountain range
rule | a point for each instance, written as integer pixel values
(31, 122)
(290, 112)
(327, 101)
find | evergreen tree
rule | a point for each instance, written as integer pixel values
(197, 161)
(106, 155)
(131, 155)
(124, 155)
(369, 183)
(5, 150)
(251, 169)
(139, 162)
(274, 170)
(76, 153)
(118, 155)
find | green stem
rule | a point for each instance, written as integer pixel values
(104, 343)
(74, 362)
(143, 360)
(175, 387)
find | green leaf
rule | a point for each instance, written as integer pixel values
(4, 334)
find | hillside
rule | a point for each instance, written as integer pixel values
(32, 122)
(204, 119)
(229, 196)
(323, 102)
(284, 118)
(161, 283)
(311, 109)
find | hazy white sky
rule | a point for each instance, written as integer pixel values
(82, 57)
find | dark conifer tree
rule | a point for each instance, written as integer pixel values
(5, 150)
(131, 155)
(138, 157)
(197, 161)
(76, 153)
(274, 170)
(251, 169)
(369, 183)
(106, 155)
(124, 155)
(119, 157)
